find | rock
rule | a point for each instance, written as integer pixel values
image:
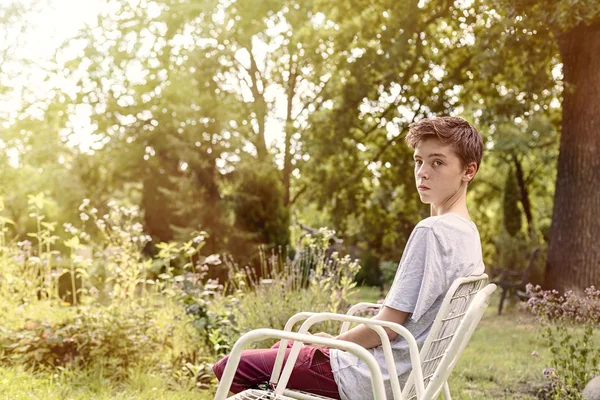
(592, 389)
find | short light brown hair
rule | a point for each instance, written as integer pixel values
(465, 139)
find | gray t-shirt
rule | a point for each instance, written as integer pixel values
(439, 250)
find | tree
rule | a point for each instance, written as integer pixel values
(573, 255)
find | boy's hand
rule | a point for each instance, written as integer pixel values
(321, 334)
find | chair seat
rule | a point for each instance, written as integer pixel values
(256, 394)
(302, 395)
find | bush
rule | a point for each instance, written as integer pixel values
(113, 338)
(568, 323)
(388, 270)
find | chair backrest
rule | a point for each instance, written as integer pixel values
(448, 321)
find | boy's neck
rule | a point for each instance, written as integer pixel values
(458, 207)
(462, 211)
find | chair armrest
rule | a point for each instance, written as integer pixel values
(260, 334)
(284, 342)
(302, 316)
(356, 308)
(371, 323)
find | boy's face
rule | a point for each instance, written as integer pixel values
(439, 172)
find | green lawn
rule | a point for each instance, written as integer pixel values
(369, 294)
(503, 360)
(497, 363)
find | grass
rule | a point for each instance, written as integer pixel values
(497, 364)
(18, 383)
(369, 294)
(503, 360)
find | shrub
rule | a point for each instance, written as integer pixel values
(113, 338)
(568, 323)
(388, 270)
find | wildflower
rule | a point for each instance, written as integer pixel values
(137, 227)
(550, 373)
(85, 236)
(198, 239)
(84, 204)
(84, 217)
(213, 259)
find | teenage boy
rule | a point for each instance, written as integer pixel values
(440, 249)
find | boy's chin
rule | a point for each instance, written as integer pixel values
(425, 199)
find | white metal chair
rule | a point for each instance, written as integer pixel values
(459, 314)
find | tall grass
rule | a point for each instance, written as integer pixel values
(312, 280)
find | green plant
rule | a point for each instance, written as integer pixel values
(280, 291)
(121, 247)
(388, 270)
(113, 338)
(568, 324)
(26, 270)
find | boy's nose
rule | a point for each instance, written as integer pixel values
(422, 172)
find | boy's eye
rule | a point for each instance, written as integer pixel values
(418, 162)
(437, 163)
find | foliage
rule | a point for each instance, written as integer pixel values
(258, 206)
(282, 291)
(190, 103)
(117, 325)
(388, 269)
(113, 338)
(569, 321)
(217, 331)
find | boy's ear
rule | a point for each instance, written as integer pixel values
(470, 172)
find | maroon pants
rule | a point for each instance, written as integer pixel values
(312, 371)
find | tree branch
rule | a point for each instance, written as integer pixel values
(298, 194)
(314, 100)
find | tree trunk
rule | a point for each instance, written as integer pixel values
(260, 107)
(524, 196)
(573, 252)
(289, 130)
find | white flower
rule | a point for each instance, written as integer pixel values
(84, 204)
(198, 239)
(84, 216)
(213, 259)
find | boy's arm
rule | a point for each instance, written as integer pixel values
(367, 337)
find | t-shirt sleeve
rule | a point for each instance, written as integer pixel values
(421, 276)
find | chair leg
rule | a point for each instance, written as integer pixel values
(446, 391)
(502, 297)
